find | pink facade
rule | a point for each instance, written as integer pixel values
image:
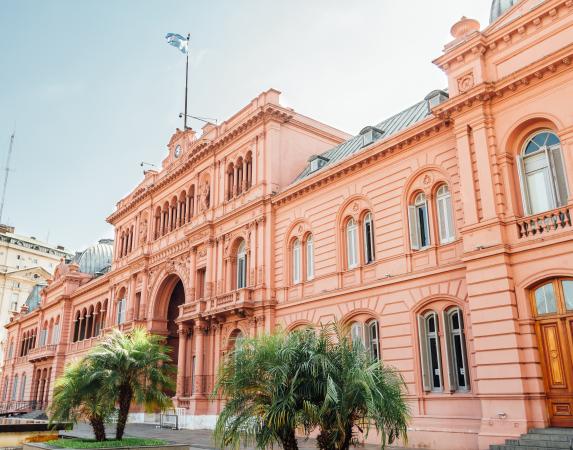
(443, 235)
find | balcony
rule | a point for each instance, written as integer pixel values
(241, 298)
(544, 223)
(42, 353)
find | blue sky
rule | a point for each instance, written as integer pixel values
(93, 89)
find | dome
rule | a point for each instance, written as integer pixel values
(96, 259)
(499, 7)
(34, 298)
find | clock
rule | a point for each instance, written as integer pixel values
(177, 151)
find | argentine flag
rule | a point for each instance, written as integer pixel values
(176, 40)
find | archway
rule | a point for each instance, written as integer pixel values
(176, 299)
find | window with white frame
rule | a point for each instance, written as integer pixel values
(309, 257)
(454, 346)
(445, 214)
(22, 387)
(419, 223)
(5, 389)
(296, 261)
(456, 350)
(357, 333)
(366, 334)
(430, 352)
(542, 173)
(373, 340)
(43, 336)
(368, 227)
(15, 387)
(242, 266)
(11, 350)
(121, 306)
(56, 334)
(352, 244)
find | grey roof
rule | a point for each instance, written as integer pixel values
(390, 126)
(96, 259)
(499, 7)
(33, 300)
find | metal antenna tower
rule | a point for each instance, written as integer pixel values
(7, 172)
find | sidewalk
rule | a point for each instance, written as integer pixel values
(197, 439)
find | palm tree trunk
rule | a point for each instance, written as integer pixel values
(288, 440)
(98, 427)
(322, 441)
(125, 395)
(347, 439)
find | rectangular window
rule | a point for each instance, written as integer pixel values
(121, 304)
(445, 218)
(352, 247)
(296, 263)
(310, 258)
(568, 293)
(368, 240)
(56, 335)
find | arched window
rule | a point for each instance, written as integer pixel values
(121, 307)
(22, 387)
(15, 387)
(367, 335)
(296, 261)
(357, 333)
(419, 223)
(240, 181)
(373, 340)
(5, 389)
(445, 214)
(56, 334)
(76, 327)
(456, 350)
(230, 181)
(542, 173)
(368, 226)
(430, 352)
(352, 244)
(249, 169)
(242, 266)
(309, 257)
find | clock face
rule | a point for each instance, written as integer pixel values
(177, 151)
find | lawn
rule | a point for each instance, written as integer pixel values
(112, 443)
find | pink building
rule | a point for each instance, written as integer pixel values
(443, 235)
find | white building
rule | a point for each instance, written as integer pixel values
(25, 262)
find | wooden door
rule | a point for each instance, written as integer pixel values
(553, 304)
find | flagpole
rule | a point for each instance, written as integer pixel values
(186, 81)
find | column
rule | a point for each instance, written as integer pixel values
(143, 308)
(131, 309)
(467, 189)
(182, 351)
(484, 169)
(199, 357)
(219, 266)
(209, 270)
(192, 275)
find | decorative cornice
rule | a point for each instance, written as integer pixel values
(202, 149)
(489, 40)
(549, 65)
(414, 134)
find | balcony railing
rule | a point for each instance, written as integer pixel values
(240, 297)
(39, 353)
(544, 223)
(14, 406)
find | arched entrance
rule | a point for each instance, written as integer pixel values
(176, 299)
(552, 303)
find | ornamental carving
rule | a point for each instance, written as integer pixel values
(466, 82)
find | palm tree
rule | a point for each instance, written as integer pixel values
(81, 394)
(360, 392)
(267, 387)
(136, 366)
